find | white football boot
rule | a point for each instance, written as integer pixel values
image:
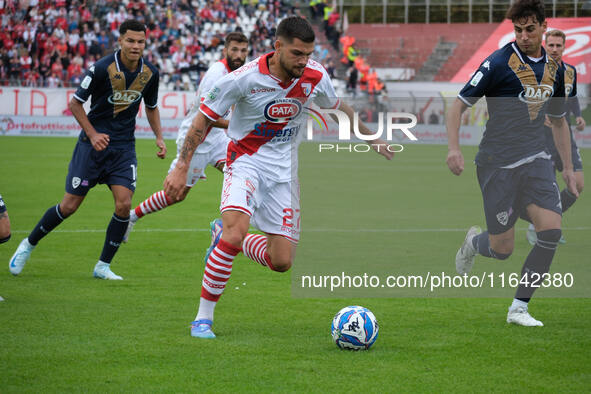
(20, 257)
(103, 271)
(520, 316)
(466, 254)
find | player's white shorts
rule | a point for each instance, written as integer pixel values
(274, 207)
(215, 155)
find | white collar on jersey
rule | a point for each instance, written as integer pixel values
(518, 52)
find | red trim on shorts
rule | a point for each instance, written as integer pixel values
(235, 208)
(296, 241)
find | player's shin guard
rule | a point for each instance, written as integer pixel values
(255, 248)
(218, 270)
(156, 202)
(114, 236)
(50, 220)
(537, 263)
(567, 199)
(481, 243)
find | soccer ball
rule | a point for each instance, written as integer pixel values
(354, 327)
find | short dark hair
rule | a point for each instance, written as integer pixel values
(523, 9)
(556, 33)
(295, 27)
(133, 25)
(235, 36)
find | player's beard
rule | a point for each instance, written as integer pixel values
(234, 64)
(292, 72)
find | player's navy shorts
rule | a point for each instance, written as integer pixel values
(507, 192)
(574, 153)
(2, 205)
(111, 166)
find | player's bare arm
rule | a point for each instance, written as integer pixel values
(221, 123)
(175, 182)
(153, 115)
(455, 160)
(379, 145)
(98, 140)
(561, 134)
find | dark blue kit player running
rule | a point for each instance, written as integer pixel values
(522, 85)
(105, 152)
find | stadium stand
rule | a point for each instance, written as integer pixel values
(411, 45)
(50, 43)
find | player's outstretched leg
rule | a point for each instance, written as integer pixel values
(467, 252)
(156, 202)
(50, 220)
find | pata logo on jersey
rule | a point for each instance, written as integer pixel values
(124, 97)
(283, 110)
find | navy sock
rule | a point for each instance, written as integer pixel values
(52, 218)
(115, 232)
(538, 263)
(481, 243)
(567, 199)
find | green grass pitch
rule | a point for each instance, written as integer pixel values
(63, 331)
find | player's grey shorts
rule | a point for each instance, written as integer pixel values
(507, 192)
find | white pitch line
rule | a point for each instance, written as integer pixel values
(312, 230)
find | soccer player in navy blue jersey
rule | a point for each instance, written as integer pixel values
(522, 85)
(105, 152)
(555, 46)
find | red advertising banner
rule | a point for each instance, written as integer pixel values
(577, 53)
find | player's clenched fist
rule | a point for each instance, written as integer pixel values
(455, 161)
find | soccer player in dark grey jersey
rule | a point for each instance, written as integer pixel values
(521, 84)
(105, 152)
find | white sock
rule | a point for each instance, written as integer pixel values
(132, 216)
(531, 227)
(206, 308)
(518, 303)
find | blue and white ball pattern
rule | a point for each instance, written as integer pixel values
(354, 327)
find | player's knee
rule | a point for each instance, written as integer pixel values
(4, 237)
(281, 264)
(551, 237)
(122, 208)
(233, 236)
(67, 208)
(580, 187)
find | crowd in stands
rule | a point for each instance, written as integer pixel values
(49, 43)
